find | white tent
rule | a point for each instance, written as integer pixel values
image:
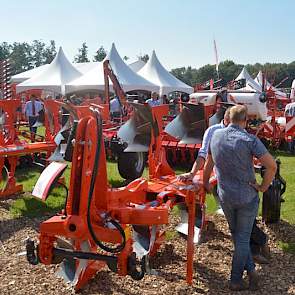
(94, 79)
(21, 77)
(137, 65)
(154, 72)
(251, 84)
(82, 67)
(259, 79)
(54, 77)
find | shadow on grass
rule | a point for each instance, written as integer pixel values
(285, 234)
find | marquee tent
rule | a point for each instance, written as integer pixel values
(54, 77)
(251, 84)
(94, 79)
(137, 65)
(268, 85)
(82, 67)
(154, 72)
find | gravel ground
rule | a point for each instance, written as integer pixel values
(212, 265)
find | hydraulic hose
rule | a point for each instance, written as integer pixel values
(90, 196)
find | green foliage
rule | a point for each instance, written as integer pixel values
(287, 247)
(25, 56)
(100, 54)
(228, 70)
(144, 57)
(82, 54)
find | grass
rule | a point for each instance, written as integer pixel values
(287, 247)
(29, 206)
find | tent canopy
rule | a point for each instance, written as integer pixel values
(154, 72)
(94, 79)
(54, 77)
(259, 80)
(82, 67)
(137, 65)
(251, 84)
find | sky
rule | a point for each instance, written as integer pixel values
(180, 31)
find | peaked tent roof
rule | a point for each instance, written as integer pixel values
(54, 77)
(137, 65)
(21, 77)
(259, 78)
(251, 84)
(82, 67)
(94, 79)
(154, 71)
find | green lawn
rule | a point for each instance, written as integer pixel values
(31, 207)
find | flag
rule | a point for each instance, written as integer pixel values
(216, 56)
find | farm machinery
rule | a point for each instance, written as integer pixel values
(121, 228)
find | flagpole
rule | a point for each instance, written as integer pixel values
(216, 58)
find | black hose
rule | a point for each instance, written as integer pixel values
(90, 195)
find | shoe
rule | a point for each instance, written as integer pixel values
(253, 281)
(220, 211)
(238, 287)
(260, 259)
(265, 251)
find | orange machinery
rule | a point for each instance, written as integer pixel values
(96, 214)
(14, 143)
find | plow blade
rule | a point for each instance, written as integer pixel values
(136, 132)
(189, 126)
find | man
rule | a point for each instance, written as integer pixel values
(115, 108)
(154, 100)
(203, 152)
(231, 151)
(32, 109)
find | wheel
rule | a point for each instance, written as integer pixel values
(131, 165)
(271, 203)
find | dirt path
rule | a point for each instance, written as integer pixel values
(212, 265)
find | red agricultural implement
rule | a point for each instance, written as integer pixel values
(104, 226)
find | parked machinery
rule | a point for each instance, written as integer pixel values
(128, 218)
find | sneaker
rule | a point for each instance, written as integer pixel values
(253, 281)
(238, 287)
(260, 259)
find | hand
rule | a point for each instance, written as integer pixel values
(208, 187)
(185, 177)
(257, 187)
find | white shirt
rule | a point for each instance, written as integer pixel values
(153, 103)
(29, 108)
(115, 105)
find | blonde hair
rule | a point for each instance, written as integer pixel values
(238, 114)
(227, 113)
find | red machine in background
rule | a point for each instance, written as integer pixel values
(129, 218)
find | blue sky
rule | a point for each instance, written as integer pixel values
(181, 31)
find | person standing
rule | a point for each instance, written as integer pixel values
(32, 109)
(231, 151)
(154, 100)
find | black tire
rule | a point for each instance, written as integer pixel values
(131, 165)
(271, 204)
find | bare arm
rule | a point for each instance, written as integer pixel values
(207, 172)
(198, 165)
(270, 170)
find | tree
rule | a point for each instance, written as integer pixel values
(125, 58)
(5, 50)
(100, 54)
(144, 57)
(38, 48)
(21, 57)
(50, 52)
(82, 54)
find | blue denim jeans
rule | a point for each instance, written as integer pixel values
(240, 219)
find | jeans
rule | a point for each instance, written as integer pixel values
(240, 219)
